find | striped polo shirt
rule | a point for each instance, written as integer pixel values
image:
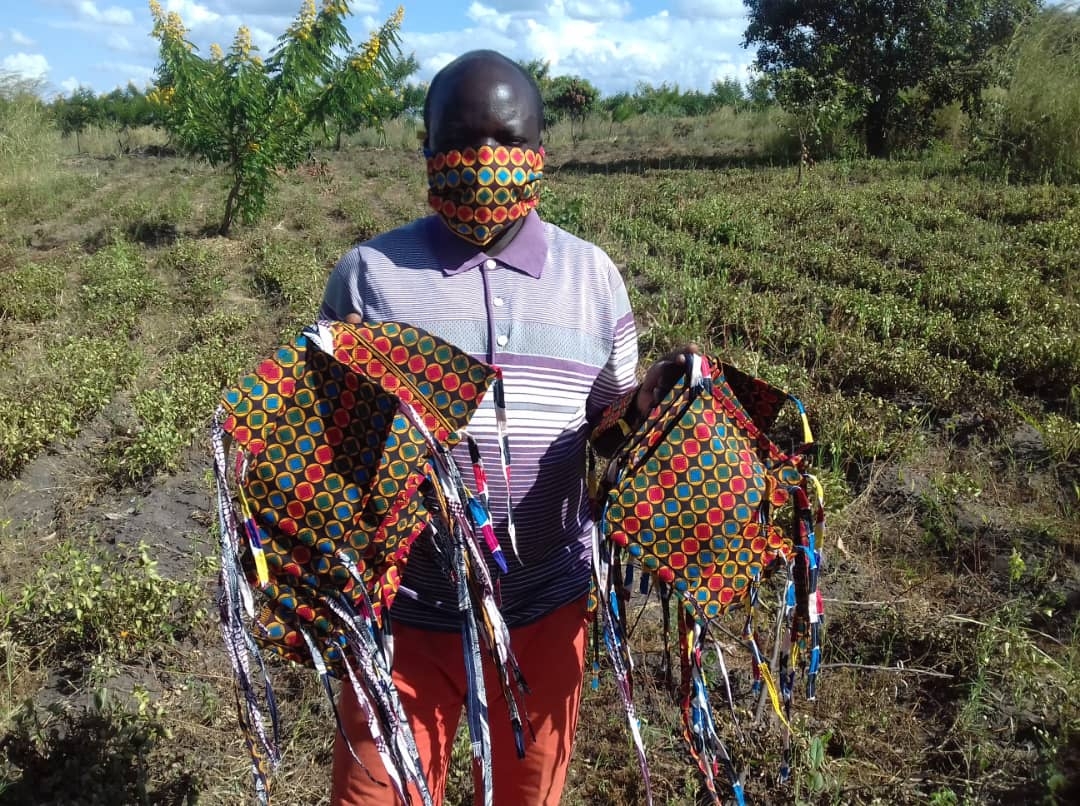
(551, 311)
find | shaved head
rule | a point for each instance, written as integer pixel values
(483, 98)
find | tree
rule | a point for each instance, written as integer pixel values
(126, 109)
(540, 70)
(933, 51)
(572, 97)
(354, 99)
(412, 99)
(77, 113)
(814, 105)
(256, 117)
(759, 92)
(728, 92)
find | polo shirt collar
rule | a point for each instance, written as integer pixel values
(527, 253)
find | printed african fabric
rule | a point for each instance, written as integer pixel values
(479, 192)
(706, 505)
(339, 461)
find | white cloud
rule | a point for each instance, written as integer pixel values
(282, 8)
(614, 54)
(20, 39)
(193, 14)
(113, 15)
(70, 84)
(120, 43)
(597, 9)
(30, 65)
(138, 73)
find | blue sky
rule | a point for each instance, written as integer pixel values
(614, 43)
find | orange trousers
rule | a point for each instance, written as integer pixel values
(429, 670)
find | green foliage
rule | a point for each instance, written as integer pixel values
(84, 601)
(29, 293)
(254, 117)
(907, 59)
(571, 96)
(22, 126)
(819, 107)
(80, 375)
(76, 113)
(1034, 125)
(116, 286)
(727, 92)
(814, 782)
(127, 109)
(561, 211)
(91, 369)
(667, 100)
(358, 99)
(175, 411)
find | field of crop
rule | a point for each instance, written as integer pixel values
(928, 316)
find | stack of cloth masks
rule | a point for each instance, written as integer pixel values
(331, 460)
(707, 507)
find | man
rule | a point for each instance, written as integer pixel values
(551, 311)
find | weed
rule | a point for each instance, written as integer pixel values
(84, 601)
(116, 286)
(31, 292)
(174, 411)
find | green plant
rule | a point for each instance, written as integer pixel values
(1034, 124)
(83, 601)
(944, 797)
(77, 113)
(30, 292)
(176, 408)
(116, 286)
(890, 52)
(254, 117)
(815, 776)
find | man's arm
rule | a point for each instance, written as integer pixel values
(342, 298)
(619, 374)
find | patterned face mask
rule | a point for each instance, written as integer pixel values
(480, 192)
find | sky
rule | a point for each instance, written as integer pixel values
(103, 44)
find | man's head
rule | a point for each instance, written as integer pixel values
(483, 98)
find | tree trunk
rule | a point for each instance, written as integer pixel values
(78, 148)
(875, 128)
(230, 208)
(337, 140)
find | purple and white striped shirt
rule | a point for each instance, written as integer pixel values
(552, 312)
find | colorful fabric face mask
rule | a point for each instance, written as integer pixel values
(339, 460)
(705, 504)
(479, 192)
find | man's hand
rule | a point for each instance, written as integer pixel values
(354, 319)
(661, 376)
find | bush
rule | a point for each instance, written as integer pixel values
(30, 293)
(1038, 117)
(116, 287)
(85, 601)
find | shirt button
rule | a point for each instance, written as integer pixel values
(498, 302)
(489, 264)
(502, 340)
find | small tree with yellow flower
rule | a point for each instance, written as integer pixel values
(254, 116)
